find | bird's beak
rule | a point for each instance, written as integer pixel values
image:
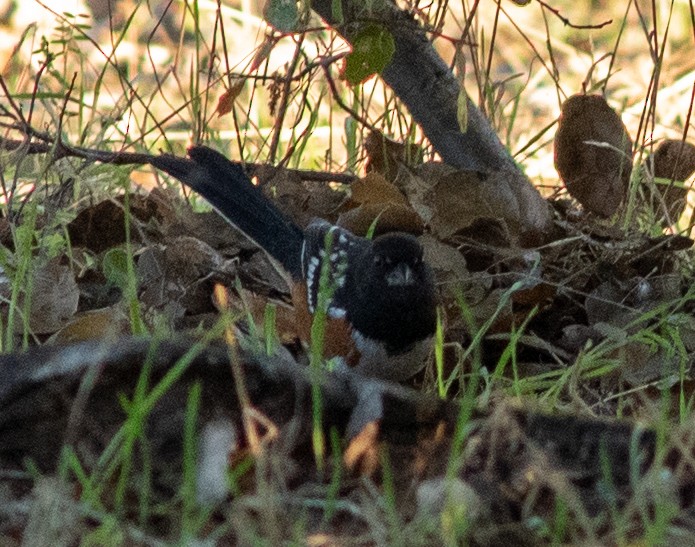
(400, 276)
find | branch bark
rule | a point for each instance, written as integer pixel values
(421, 79)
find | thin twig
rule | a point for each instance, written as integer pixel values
(569, 23)
(62, 150)
(338, 99)
(285, 98)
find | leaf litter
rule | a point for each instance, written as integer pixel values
(606, 315)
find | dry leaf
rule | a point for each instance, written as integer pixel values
(575, 337)
(287, 191)
(607, 304)
(623, 304)
(266, 272)
(458, 199)
(388, 217)
(540, 294)
(381, 202)
(102, 226)
(642, 363)
(323, 201)
(447, 262)
(54, 298)
(374, 188)
(178, 276)
(673, 162)
(593, 153)
(226, 100)
(210, 228)
(384, 155)
(106, 323)
(450, 200)
(286, 326)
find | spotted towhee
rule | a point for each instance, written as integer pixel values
(383, 300)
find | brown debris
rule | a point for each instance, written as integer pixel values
(593, 153)
(102, 226)
(52, 302)
(514, 460)
(385, 156)
(672, 165)
(534, 313)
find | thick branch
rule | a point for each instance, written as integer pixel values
(424, 83)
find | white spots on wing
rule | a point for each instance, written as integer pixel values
(303, 256)
(336, 313)
(311, 271)
(337, 256)
(339, 260)
(311, 278)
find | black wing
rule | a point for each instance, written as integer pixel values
(344, 250)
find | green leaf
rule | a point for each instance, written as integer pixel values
(115, 267)
(372, 49)
(462, 110)
(282, 15)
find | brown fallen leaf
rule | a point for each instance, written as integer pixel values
(102, 226)
(104, 324)
(374, 188)
(389, 217)
(382, 205)
(287, 191)
(447, 262)
(623, 303)
(178, 276)
(384, 154)
(593, 153)
(672, 165)
(210, 228)
(54, 298)
(287, 325)
(460, 198)
(674, 159)
(449, 199)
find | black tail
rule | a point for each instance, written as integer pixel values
(225, 185)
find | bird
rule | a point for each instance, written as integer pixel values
(381, 305)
